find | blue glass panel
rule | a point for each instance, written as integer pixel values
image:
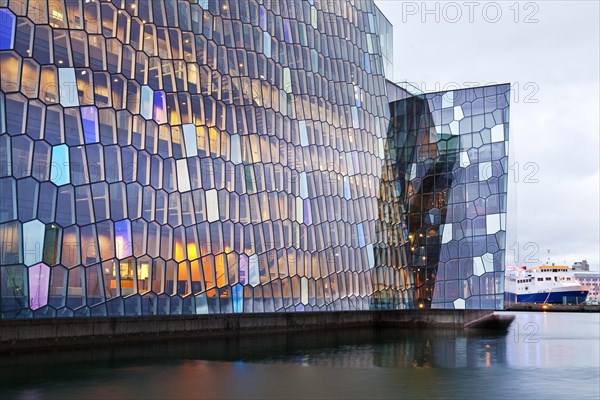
(89, 120)
(236, 152)
(267, 44)
(8, 22)
(303, 133)
(361, 235)
(367, 63)
(355, 121)
(123, 240)
(59, 172)
(370, 255)
(347, 193)
(160, 107)
(33, 241)
(69, 97)
(303, 185)
(314, 59)
(238, 298)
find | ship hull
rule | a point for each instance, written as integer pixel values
(571, 296)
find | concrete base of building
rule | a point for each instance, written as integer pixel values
(57, 332)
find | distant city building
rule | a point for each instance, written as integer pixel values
(581, 266)
(592, 281)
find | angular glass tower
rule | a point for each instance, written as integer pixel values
(442, 228)
(194, 157)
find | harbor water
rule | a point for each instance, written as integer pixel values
(544, 355)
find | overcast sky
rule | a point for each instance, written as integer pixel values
(549, 51)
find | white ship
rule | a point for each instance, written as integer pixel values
(544, 284)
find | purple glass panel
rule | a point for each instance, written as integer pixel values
(243, 269)
(160, 107)
(307, 212)
(39, 279)
(287, 31)
(263, 18)
(89, 120)
(123, 238)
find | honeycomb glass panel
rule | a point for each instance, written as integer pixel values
(192, 157)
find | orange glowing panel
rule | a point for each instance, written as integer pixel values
(192, 251)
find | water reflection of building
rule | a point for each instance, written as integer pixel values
(417, 350)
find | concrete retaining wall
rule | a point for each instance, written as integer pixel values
(36, 333)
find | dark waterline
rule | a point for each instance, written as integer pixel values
(544, 355)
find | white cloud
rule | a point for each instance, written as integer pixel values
(558, 59)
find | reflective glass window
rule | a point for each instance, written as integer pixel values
(146, 107)
(59, 173)
(7, 29)
(123, 239)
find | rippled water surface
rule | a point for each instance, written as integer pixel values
(543, 356)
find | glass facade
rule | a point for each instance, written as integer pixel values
(181, 157)
(442, 225)
(200, 157)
